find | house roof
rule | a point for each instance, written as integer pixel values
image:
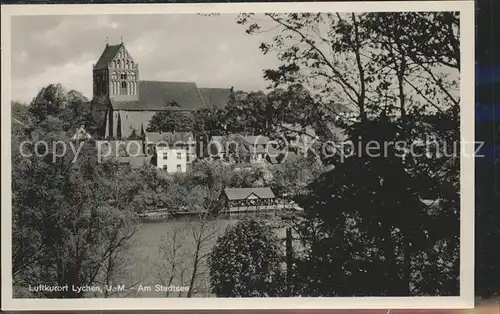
(116, 148)
(135, 162)
(215, 96)
(156, 96)
(244, 193)
(80, 133)
(107, 55)
(171, 138)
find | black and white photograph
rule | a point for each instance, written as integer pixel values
(207, 157)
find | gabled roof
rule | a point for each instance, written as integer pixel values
(215, 96)
(171, 138)
(157, 96)
(107, 55)
(81, 134)
(118, 148)
(244, 193)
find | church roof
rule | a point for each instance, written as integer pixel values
(215, 96)
(107, 55)
(156, 95)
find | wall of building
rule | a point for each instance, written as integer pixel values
(133, 120)
(175, 160)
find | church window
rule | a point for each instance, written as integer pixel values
(123, 76)
(114, 76)
(124, 88)
(114, 63)
(132, 64)
(118, 63)
(128, 64)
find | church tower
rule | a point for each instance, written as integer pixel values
(116, 74)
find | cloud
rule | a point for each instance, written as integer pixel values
(212, 51)
(75, 75)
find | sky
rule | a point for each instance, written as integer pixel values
(213, 51)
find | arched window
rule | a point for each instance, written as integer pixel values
(132, 76)
(114, 76)
(118, 64)
(124, 88)
(114, 63)
(123, 76)
(131, 64)
(128, 64)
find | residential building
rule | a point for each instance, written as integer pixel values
(172, 160)
(120, 148)
(241, 149)
(172, 151)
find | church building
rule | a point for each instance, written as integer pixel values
(123, 105)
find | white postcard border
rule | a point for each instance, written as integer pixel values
(466, 298)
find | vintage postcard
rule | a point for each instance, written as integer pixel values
(238, 156)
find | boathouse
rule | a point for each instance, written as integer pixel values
(249, 199)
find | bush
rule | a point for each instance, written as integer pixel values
(247, 262)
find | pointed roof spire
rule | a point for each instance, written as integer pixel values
(106, 41)
(121, 39)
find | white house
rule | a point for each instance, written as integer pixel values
(174, 151)
(171, 160)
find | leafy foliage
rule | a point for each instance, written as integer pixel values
(368, 217)
(246, 262)
(72, 217)
(368, 230)
(171, 121)
(72, 108)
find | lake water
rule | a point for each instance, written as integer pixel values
(162, 253)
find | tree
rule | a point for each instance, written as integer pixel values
(368, 217)
(72, 218)
(72, 108)
(20, 112)
(210, 121)
(171, 121)
(247, 262)
(387, 68)
(185, 249)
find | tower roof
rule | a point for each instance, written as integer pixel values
(107, 55)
